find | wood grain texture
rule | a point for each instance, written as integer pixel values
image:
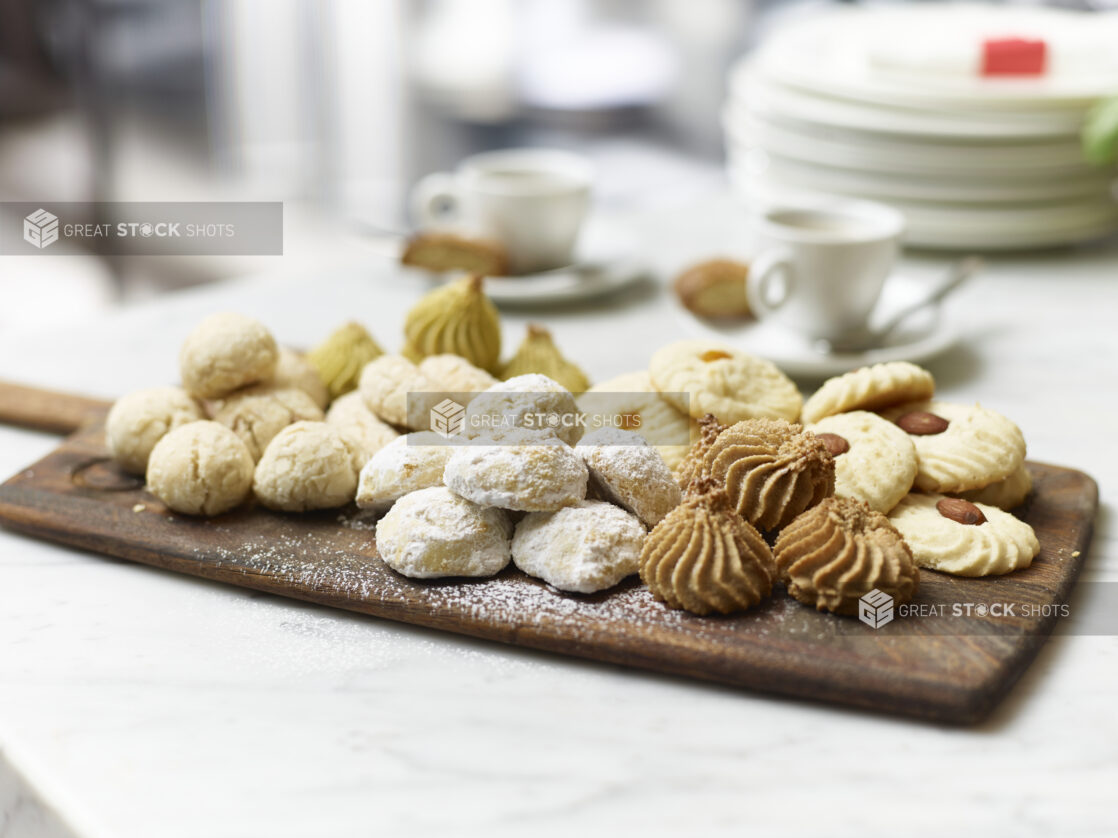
(47, 410)
(947, 668)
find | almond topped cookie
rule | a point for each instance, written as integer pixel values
(875, 461)
(870, 388)
(959, 447)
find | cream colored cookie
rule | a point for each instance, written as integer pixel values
(455, 374)
(407, 464)
(308, 465)
(875, 461)
(256, 414)
(627, 471)
(139, 420)
(226, 351)
(965, 539)
(294, 370)
(584, 548)
(366, 432)
(959, 447)
(703, 376)
(522, 472)
(1005, 494)
(201, 468)
(870, 388)
(633, 404)
(533, 404)
(386, 383)
(434, 532)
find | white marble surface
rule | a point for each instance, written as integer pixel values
(136, 703)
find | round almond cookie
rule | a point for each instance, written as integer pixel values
(352, 417)
(139, 420)
(200, 468)
(704, 376)
(455, 374)
(963, 538)
(521, 472)
(634, 404)
(307, 465)
(583, 548)
(226, 351)
(257, 413)
(771, 469)
(407, 464)
(626, 470)
(870, 388)
(434, 532)
(839, 551)
(959, 447)
(294, 370)
(386, 384)
(875, 461)
(1005, 494)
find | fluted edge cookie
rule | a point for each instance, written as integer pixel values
(1005, 494)
(963, 538)
(870, 388)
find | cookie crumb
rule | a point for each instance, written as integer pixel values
(139, 507)
(1075, 554)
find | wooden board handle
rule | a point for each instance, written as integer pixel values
(47, 410)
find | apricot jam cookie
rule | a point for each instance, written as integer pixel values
(703, 557)
(584, 548)
(771, 469)
(1005, 494)
(840, 550)
(875, 461)
(959, 447)
(870, 388)
(434, 532)
(635, 405)
(703, 376)
(963, 538)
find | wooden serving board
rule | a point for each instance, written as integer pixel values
(951, 668)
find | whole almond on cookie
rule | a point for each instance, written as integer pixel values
(961, 511)
(922, 423)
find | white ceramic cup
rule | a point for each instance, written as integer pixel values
(820, 269)
(533, 201)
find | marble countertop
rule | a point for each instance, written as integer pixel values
(138, 703)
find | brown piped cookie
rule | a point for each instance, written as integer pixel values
(691, 467)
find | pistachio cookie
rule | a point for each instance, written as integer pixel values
(963, 538)
(583, 548)
(771, 469)
(875, 461)
(634, 404)
(434, 532)
(840, 550)
(959, 447)
(870, 388)
(703, 376)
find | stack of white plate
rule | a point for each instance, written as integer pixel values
(889, 104)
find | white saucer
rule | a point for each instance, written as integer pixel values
(605, 261)
(922, 336)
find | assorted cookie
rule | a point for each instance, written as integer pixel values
(521, 473)
(406, 464)
(956, 536)
(875, 461)
(307, 465)
(257, 413)
(836, 552)
(1005, 494)
(959, 447)
(200, 468)
(870, 388)
(138, 421)
(703, 557)
(703, 376)
(714, 288)
(627, 471)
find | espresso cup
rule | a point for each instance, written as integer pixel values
(820, 269)
(532, 201)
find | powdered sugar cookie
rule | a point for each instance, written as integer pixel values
(532, 403)
(1005, 494)
(959, 447)
(626, 470)
(875, 461)
(702, 376)
(963, 538)
(584, 548)
(407, 464)
(870, 388)
(525, 473)
(635, 405)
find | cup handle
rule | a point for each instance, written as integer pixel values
(435, 201)
(767, 269)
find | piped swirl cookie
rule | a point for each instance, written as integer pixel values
(959, 447)
(772, 470)
(840, 550)
(875, 461)
(704, 376)
(870, 388)
(963, 538)
(703, 557)
(692, 465)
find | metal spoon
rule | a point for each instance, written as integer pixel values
(867, 338)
